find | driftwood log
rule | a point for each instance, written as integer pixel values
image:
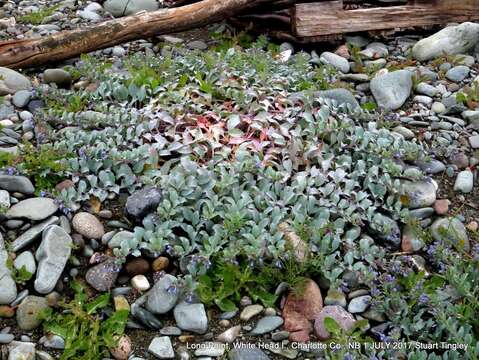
(319, 19)
(67, 44)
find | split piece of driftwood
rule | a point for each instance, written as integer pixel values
(316, 20)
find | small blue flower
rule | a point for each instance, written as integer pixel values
(169, 249)
(423, 299)
(41, 138)
(395, 268)
(260, 261)
(389, 278)
(189, 298)
(82, 153)
(172, 289)
(432, 248)
(384, 338)
(11, 171)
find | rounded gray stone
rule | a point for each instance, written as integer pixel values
(27, 260)
(247, 354)
(375, 50)
(102, 277)
(119, 238)
(12, 81)
(160, 299)
(89, 15)
(28, 312)
(340, 96)
(52, 341)
(343, 318)
(8, 286)
(336, 61)
(450, 40)
(35, 209)
(21, 98)
(386, 230)
(391, 90)
(52, 256)
(426, 89)
(143, 201)
(88, 225)
(197, 45)
(359, 304)
(57, 76)
(457, 73)
(161, 348)
(419, 194)
(191, 317)
(267, 324)
(17, 184)
(120, 8)
(451, 231)
(6, 338)
(464, 181)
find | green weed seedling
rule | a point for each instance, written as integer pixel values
(37, 17)
(87, 334)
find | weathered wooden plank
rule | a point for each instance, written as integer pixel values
(320, 19)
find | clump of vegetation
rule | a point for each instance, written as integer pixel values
(88, 333)
(469, 96)
(354, 52)
(74, 103)
(6, 159)
(43, 163)
(433, 305)
(20, 276)
(37, 17)
(418, 78)
(340, 340)
(294, 273)
(225, 283)
(446, 58)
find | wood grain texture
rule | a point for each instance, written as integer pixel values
(320, 19)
